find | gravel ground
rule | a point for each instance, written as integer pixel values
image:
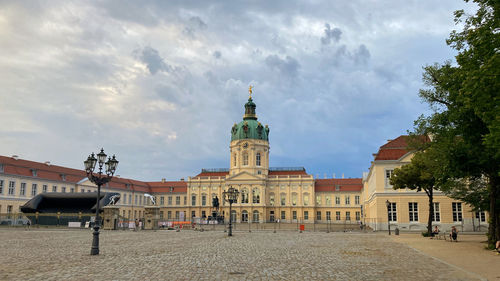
(191, 255)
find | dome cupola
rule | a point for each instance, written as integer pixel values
(250, 128)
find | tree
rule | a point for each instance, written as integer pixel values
(418, 175)
(465, 125)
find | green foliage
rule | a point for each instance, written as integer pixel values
(465, 125)
(425, 234)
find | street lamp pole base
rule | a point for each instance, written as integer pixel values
(95, 242)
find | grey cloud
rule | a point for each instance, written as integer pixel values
(197, 22)
(217, 54)
(331, 35)
(288, 66)
(153, 60)
(362, 54)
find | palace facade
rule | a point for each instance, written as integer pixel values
(267, 194)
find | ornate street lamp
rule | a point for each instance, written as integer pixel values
(99, 178)
(388, 205)
(231, 196)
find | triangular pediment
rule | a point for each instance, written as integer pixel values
(244, 176)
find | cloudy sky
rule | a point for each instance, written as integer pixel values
(160, 83)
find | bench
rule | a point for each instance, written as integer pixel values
(441, 235)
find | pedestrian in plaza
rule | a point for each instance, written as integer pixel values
(453, 234)
(435, 231)
(136, 225)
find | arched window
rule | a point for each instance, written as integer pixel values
(244, 196)
(193, 200)
(255, 216)
(257, 159)
(233, 215)
(255, 195)
(234, 159)
(306, 199)
(294, 199)
(282, 199)
(271, 199)
(245, 159)
(244, 216)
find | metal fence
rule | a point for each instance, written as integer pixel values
(77, 220)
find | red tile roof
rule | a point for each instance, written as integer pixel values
(322, 185)
(212, 174)
(395, 149)
(169, 186)
(281, 173)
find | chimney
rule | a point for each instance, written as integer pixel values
(15, 157)
(47, 163)
(342, 175)
(333, 175)
(163, 180)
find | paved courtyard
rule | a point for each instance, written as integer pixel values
(45, 254)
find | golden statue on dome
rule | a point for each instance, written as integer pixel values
(250, 91)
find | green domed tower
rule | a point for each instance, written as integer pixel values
(249, 143)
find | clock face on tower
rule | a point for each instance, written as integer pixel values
(245, 145)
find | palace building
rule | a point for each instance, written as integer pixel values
(267, 194)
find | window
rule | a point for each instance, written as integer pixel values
(347, 216)
(388, 175)
(12, 187)
(245, 159)
(54, 188)
(234, 159)
(337, 200)
(306, 199)
(356, 199)
(255, 216)
(169, 215)
(358, 215)
(256, 196)
(203, 199)
(135, 201)
(244, 196)
(306, 215)
(318, 200)
(124, 201)
(1, 186)
(82, 190)
(257, 159)
(177, 214)
(1, 168)
(283, 215)
(34, 172)
(193, 200)
(318, 215)
(34, 188)
(294, 215)
(193, 214)
(456, 207)
(348, 200)
(244, 216)
(328, 200)
(481, 216)
(337, 215)
(130, 200)
(294, 199)
(271, 216)
(328, 215)
(271, 199)
(413, 211)
(185, 200)
(22, 191)
(169, 200)
(140, 200)
(9, 211)
(392, 212)
(282, 199)
(177, 200)
(161, 214)
(72, 189)
(162, 200)
(63, 189)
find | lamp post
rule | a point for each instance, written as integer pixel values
(99, 178)
(388, 205)
(231, 196)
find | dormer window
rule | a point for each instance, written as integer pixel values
(34, 172)
(171, 189)
(63, 177)
(337, 188)
(1, 168)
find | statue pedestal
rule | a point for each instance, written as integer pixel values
(152, 216)
(110, 217)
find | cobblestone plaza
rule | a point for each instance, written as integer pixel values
(49, 254)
